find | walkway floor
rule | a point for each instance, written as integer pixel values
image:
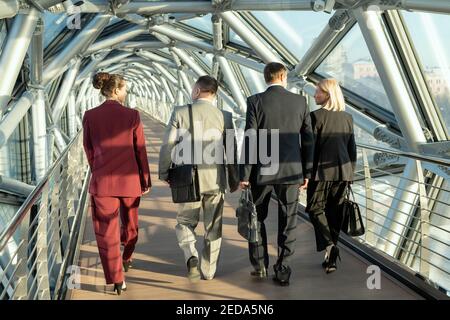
(159, 271)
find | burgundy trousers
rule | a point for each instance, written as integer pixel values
(110, 234)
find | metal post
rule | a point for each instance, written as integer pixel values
(59, 139)
(66, 86)
(13, 118)
(401, 210)
(14, 51)
(39, 136)
(218, 43)
(72, 114)
(38, 115)
(232, 83)
(81, 98)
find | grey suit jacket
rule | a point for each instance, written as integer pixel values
(207, 120)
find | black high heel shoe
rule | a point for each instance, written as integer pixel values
(332, 262)
(127, 265)
(118, 288)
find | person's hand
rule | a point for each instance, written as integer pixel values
(304, 185)
(244, 184)
(146, 190)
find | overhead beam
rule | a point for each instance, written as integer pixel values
(208, 6)
(250, 37)
(14, 51)
(83, 39)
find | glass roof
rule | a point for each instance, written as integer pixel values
(255, 80)
(54, 23)
(296, 30)
(2, 34)
(202, 23)
(430, 40)
(350, 62)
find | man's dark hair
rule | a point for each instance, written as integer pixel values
(272, 71)
(207, 84)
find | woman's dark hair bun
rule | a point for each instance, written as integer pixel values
(100, 79)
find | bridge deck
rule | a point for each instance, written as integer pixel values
(159, 271)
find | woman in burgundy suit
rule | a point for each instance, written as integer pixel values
(114, 143)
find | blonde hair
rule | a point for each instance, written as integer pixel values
(335, 100)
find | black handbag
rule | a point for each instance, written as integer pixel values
(183, 179)
(248, 225)
(352, 222)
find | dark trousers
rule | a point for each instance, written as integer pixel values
(287, 196)
(324, 203)
(106, 212)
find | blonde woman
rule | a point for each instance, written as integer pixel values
(333, 168)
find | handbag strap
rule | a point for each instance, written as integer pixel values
(350, 192)
(191, 131)
(247, 195)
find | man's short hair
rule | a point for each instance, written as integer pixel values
(273, 70)
(207, 84)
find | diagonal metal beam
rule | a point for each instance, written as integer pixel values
(83, 39)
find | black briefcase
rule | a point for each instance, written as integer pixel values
(183, 179)
(352, 221)
(248, 225)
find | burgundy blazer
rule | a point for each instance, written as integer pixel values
(114, 142)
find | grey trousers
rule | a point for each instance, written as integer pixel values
(187, 220)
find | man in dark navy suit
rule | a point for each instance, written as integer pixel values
(286, 114)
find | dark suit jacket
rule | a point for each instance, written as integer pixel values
(114, 143)
(278, 108)
(335, 148)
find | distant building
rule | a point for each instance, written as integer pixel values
(364, 69)
(437, 81)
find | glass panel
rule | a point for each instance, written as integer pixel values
(350, 63)
(2, 34)
(236, 39)
(254, 79)
(202, 23)
(296, 30)
(53, 25)
(7, 212)
(427, 32)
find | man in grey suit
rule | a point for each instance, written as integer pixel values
(277, 112)
(211, 129)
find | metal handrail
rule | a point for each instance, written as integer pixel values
(46, 201)
(408, 154)
(31, 199)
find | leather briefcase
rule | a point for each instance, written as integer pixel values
(183, 179)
